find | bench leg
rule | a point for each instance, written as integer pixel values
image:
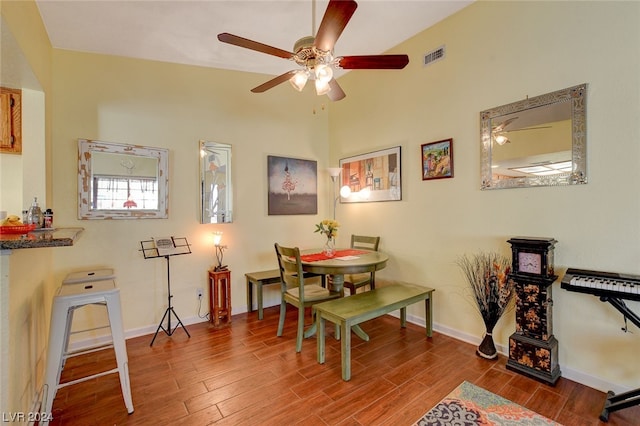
(345, 345)
(428, 316)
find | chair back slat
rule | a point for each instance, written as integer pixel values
(291, 275)
(365, 242)
(355, 281)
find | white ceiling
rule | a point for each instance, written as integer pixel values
(184, 32)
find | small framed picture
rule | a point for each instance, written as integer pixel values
(437, 159)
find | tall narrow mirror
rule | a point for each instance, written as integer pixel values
(539, 141)
(216, 197)
(120, 181)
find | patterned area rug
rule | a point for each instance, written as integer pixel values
(471, 405)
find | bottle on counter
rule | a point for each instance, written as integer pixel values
(48, 219)
(35, 216)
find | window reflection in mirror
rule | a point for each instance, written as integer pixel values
(119, 181)
(216, 197)
(124, 181)
(539, 141)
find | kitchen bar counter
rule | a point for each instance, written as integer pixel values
(58, 237)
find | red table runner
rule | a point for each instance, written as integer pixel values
(314, 257)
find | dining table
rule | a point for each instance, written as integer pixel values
(344, 261)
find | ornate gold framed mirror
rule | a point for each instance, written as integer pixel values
(539, 141)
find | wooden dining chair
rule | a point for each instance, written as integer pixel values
(295, 291)
(355, 281)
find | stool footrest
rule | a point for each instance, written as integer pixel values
(84, 379)
(71, 333)
(88, 350)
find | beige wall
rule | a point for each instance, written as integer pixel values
(25, 276)
(174, 106)
(497, 53)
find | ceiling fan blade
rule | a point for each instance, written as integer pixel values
(336, 93)
(273, 82)
(500, 127)
(254, 45)
(527, 128)
(373, 62)
(334, 21)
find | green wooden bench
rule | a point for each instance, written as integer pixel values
(349, 311)
(259, 279)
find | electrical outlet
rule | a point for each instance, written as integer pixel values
(199, 293)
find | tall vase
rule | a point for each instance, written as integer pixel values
(487, 348)
(329, 248)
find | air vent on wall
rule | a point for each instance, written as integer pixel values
(434, 55)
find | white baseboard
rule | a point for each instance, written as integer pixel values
(130, 334)
(569, 373)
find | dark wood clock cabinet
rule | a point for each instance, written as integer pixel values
(533, 350)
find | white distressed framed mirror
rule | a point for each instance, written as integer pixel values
(122, 181)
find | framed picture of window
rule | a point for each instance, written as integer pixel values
(437, 159)
(293, 186)
(375, 176)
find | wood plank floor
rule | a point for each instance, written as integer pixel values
(244, 374)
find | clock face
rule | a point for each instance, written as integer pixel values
(530, 263)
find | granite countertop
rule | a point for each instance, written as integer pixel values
(57, 237)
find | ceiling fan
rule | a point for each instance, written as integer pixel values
(500, 133)
(315, 54)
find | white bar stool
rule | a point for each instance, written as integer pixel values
(78, 290)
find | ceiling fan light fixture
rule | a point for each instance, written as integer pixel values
(322, 87)
(314, 54)
(501, 139)
(299, 79)
(323, 72)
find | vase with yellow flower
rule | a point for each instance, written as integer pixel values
(328, 228)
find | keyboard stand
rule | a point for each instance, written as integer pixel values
(626, 399)
(623, 309)
(618, 402)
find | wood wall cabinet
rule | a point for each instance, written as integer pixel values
(10, 121)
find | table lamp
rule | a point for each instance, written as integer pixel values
(217, 240)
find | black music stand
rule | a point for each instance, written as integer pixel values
(172, 246)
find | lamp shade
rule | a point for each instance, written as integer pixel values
(334, 171)
(501, 139)
(299, 80)
(324, 73)
(322, 87)
(217, 238)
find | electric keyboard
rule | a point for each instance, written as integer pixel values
(610, 287)
(603, 284)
